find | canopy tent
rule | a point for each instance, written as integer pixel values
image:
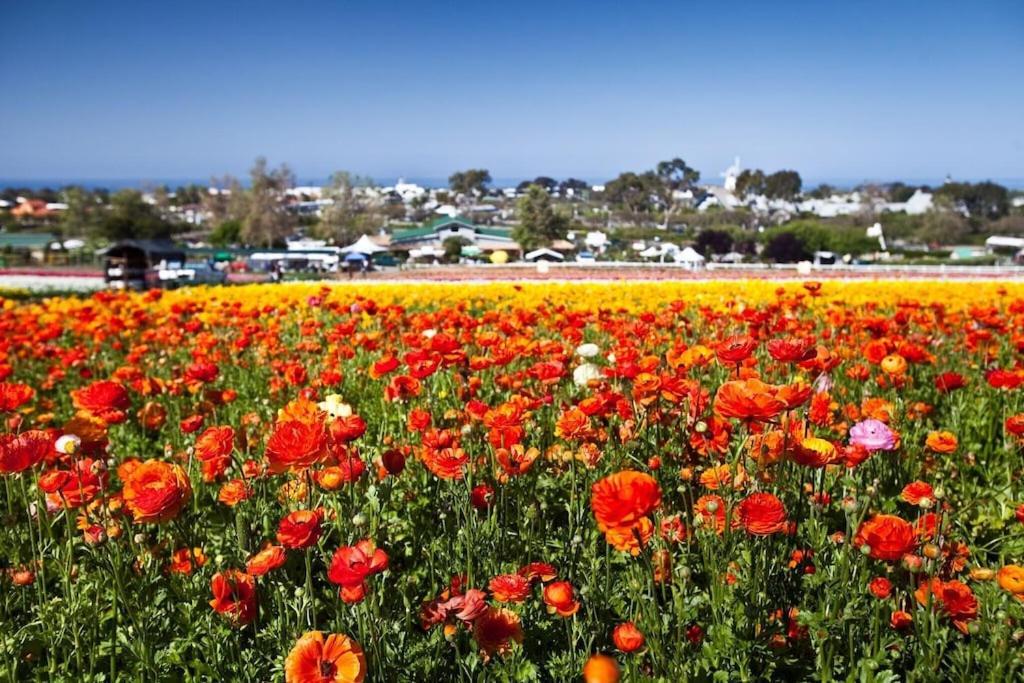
(355, 256)
(688, 255)
(363, 245)
(544, 254)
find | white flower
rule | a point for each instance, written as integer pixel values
(335, 406)
(429, 333)
(584, 373)
(587, 350)
(67, 444)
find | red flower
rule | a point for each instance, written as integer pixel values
(954, 597)
(735, 349)
(296, 445)
(299, 529)
(201, 371)
(762, 514)
(916, 491)
(750, 400)
(105, 400)
(792, 350)
(627, 637)
(213, 449)
(346, 429)
(880, 587)
(13, 396)
(24, 451)
(234, 596)
(352, 565)
(620, 500)
(560, 598)
(949, 381)
(156, 491)
(266, 560)
(887, 537)
(510, 587)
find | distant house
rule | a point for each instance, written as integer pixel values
(32, 208)
(485, 238)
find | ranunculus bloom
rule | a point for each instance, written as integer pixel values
(627, 637)
(814, 452)
(14, 395)
(336, 659)
(539, 571)
(794, 350)
(1011, 579)
(510, 587)
(213, 449)
(184, 560)
(880, 587)
(495, 630)
(710, 510)
(296, 445)
(105, 399)
(888, 537)
(24, 451)
(352, 565)
(954, 597)
(762, 514)
(234, 596)
(874, 435)
(949, 381)
(299, 529)
(621, 499)
(917, 491)
(601, 669)
(749, 400)
(560, 598)
(941, 442)
(266, 560)
(735, 349)
(156, 491)
(900, 620)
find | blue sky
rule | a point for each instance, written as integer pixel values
(865, 90)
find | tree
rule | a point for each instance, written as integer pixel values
(785, 247)
(714, 242)
(130, 217)
(78, 218)
(338, 220)
(474, 181)
(575, 184)
(227, 233)
(782, 185)
(676, 177)
(750, 182)
(453, 248)
(822, 191)
(977, 200)
(636, 192)
(264, 221)
(539, 223)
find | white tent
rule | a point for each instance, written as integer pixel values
(688, 255)
(364, 245)
(543, 253)
(426, 252)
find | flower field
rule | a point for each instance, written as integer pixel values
(553, 481)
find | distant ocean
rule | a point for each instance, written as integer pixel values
(437, 182)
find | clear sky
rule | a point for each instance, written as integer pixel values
(836, 90)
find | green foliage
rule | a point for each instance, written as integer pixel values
(227, 233)
(130, 217)
(539, 223)
(471, 182)
(985, 200)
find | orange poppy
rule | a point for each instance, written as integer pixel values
(621, 499)
(296, 445)
(941, 442)
(887, 537)
(510, 587)
(560, 598)
(627, 637)
(749, 400)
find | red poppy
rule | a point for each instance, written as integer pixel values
(24, 451)
(156, 491)
(793, 350)
(953, 597)
(917, 491)
(735, 349)
(880, 587)
(14, 395)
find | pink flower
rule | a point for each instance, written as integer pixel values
(874, 435)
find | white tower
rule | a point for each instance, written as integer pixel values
(730, 174)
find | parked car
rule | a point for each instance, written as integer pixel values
(585, 257)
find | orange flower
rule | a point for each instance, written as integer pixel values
(213, 449)
(815, 452)
(516, 460)
(630, 539)
(601, 669)
(560, 598)
(621, 499)
(296, 445)
(184, 560)
(954, 597)
(941, 442)
(916, 492)
(510, 587)
(338, 659)
(573, 425)
(495, 630)
(234, 492)
(711, 512)
(750, 400)
(762, 514)
(627, 637)
(234, 596)
(156, 491)
(300, 529)
(887, 537)
(13, 396)
(266, 560)
(1011, 579)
